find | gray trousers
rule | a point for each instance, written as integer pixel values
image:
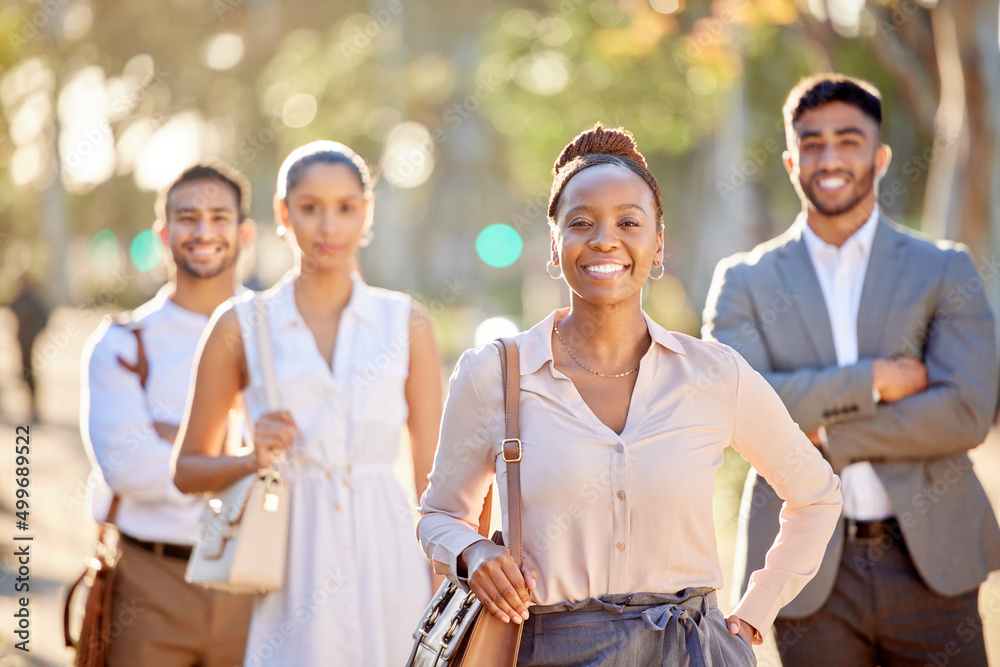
(643, 629)
(882, 613)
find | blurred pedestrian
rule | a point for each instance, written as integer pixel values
(137, 374)
(32, 315)
(884, 352)
(354, 365)
(623, 429)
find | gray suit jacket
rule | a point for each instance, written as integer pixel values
(920, 299)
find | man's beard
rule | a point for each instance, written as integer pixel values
(206, 272)
(864, 187)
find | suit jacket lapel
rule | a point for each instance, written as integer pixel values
(884, 269)
(797, 271)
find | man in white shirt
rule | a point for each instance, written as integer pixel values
(885, 355)
(137, 373)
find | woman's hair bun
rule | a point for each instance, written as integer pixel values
(602, 141)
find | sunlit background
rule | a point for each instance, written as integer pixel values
(462, 107)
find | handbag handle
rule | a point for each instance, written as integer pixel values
(265, 354)
(510, 364)
(268, 376)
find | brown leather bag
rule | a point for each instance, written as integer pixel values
(88, 602)
(455, 630)
(90, 598)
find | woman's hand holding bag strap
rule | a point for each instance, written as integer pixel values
(456, 629)
(244, 539)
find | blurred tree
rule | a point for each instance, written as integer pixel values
(464, 107)
(942, 56)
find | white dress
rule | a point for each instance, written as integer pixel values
(356, 581)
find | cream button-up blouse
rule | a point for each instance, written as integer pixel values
(605, 513)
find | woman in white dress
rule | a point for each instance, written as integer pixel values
(354, 364)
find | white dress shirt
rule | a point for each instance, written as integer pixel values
(117, 416)
(841, 272)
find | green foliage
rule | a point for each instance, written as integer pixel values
(501, 89)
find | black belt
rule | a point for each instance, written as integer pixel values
(182, 551)
(874, 530)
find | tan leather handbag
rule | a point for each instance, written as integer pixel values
(455, 630)
(244, 538)
(88, 603)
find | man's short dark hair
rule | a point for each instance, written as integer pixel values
(815, 91)
(213, 171)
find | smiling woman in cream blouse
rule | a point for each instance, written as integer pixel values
(623, 426)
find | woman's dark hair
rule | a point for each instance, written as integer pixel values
(814, 91)
(601, 146)
(209, 170)
(326, 152)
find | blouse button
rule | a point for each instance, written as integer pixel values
(619, 449)
(621, 546)
(621, 495)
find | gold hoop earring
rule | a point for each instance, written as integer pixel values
(554, 266)
(658, 275)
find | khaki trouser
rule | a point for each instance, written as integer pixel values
(159, 620)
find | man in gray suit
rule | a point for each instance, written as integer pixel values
(882, 346)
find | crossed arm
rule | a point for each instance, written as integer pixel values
(940, 405)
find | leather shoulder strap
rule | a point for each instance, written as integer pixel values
(140, 368)
(265, 353)
(141, 365)
(510, 366)
(113, 511)
(511, 447)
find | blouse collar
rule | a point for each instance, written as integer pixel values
(284, 312)
(535, 345)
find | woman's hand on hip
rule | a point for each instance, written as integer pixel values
(738, 626)
(497, 582)
(273, 431)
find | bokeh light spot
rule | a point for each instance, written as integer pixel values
(103, 249)
(223, 51)
(520, 22)
(546, 73)
(408, 160)
(499, 245)
(493, 328)
(76, 20)
(665, 6)
(299, 110)
(146, 251)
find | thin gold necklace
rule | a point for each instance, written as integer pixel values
(583, 365)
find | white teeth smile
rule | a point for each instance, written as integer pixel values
(832, 183)
(203, 251)
(605, 268)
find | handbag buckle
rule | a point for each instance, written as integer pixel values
(510, 458)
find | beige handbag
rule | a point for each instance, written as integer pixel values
(455, 629)
(244, 537)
